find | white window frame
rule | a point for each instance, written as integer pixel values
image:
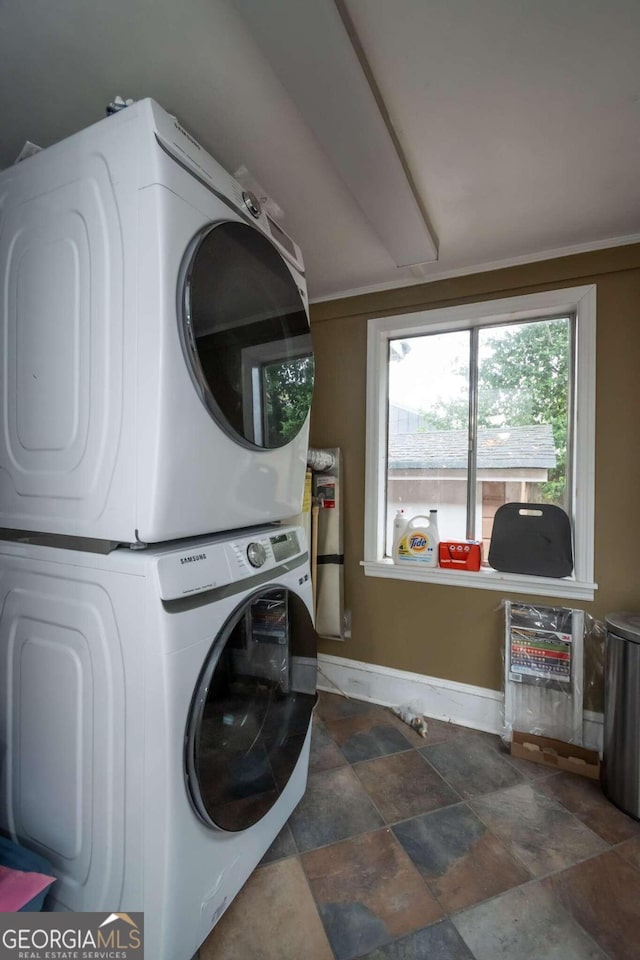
(580, 301)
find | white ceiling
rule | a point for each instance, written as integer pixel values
(519, 120)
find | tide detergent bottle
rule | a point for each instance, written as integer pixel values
(418, 543)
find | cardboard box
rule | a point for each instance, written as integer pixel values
(556, 754)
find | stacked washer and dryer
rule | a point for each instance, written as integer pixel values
(157, 650)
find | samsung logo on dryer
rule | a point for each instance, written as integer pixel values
(187, 135)
(193, 558)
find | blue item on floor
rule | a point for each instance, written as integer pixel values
(19, 858)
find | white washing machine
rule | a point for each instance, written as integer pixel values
(156, 710)
(157, 369)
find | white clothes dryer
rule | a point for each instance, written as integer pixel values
(157, 367)
(156, 711)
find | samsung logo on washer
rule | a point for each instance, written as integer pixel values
(193, 558)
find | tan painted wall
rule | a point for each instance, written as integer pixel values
(451, 632)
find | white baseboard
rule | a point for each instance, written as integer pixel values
(461, 703)
(445, 700)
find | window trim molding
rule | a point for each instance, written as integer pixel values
(579, 300)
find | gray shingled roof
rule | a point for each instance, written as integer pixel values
(498, 449)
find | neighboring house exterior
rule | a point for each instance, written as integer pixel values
(404, 420)
(429, 469)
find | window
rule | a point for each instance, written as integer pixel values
(277, 388)
(287, 386)
(474, 406)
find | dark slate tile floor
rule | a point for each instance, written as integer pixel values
(441, 848)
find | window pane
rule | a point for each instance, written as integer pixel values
(428, 431)
(287, 387)
(523, 417)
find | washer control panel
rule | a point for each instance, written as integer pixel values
(266, 549)
(285, 545)
(206, 563)
(256, 554)
(193, 569)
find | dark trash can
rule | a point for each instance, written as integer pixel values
(621, 753)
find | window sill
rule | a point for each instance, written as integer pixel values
(485, 579)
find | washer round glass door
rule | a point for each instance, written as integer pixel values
(251, 710)
(245, 334)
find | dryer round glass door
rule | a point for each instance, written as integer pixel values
(245, 333)
(251, 710)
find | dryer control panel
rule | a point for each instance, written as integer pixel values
(211, 562)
